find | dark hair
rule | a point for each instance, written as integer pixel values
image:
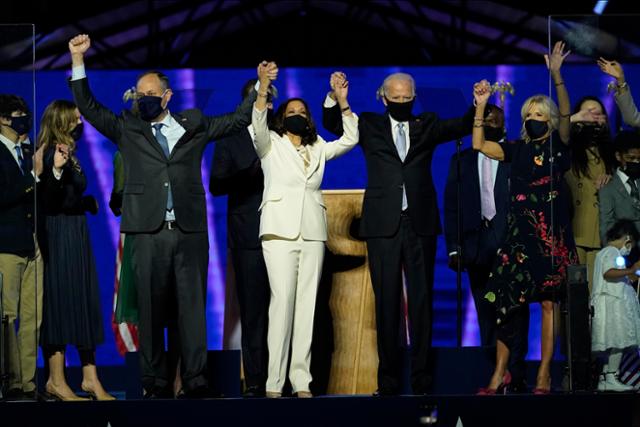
(621, 228)
(278, 121)
(626, 140)
(492, 108)
(10, 103)
(580, 143)
(164, 80)
(272, 92)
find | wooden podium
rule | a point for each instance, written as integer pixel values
(354, 363)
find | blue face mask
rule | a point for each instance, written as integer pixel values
(150, 107)
(21, 125)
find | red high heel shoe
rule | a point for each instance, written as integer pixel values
(501, 389)
(542, 391)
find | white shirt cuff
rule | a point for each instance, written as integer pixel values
(78, 73)
(453, 253)
(329, 102)
(35, 177)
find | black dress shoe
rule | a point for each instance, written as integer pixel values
(517, 387)
(254, 391)
(158, 393)
(14, 394)
(201, 392)
(385, 392)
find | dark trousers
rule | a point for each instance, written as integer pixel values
(252, 286)
(388, 256)
(170, 270)
(486, 312)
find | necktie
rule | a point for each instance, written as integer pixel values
(487, 201)
(20, 158)
(401, 146)
(164, 144)
(634, 189)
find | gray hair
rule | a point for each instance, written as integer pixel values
(382, 90)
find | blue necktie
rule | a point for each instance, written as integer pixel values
(401, 146)
(164, 144)
(20, 158)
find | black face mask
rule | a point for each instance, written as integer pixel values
(76, 132)
(536, 129)
(149, 107)
(493, 134)
(632, 170)
(297, 125)
(400, 111)
(21, 125)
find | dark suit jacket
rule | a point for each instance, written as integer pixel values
(148, 172)
(471, 207)
(236, 171)
(16, 203)
(386, 172)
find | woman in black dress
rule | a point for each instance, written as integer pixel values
(71, 311)
(539, 246)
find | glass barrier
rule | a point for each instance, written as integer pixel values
(21, 265)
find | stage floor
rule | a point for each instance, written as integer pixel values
(511, 410)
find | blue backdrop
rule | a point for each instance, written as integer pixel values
(446, 90)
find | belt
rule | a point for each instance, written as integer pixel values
(169, 225)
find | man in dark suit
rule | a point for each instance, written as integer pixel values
(164, 210)
(484, 208)
(236, 172)
(20, 259)
(400, 220)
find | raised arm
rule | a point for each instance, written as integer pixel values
(267, 71)
(554, 63)
(331, 114)
(349, 138)
(624, 100)
(481, 94)
(100, 117)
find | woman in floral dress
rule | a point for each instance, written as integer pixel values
(539, 246)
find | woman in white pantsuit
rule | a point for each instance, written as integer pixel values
(293, 224)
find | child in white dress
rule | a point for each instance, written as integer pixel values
(616, 320)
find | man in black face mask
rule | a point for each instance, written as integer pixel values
(620, 198)
(20, 260)
(400, 220)
(236, 172)
(484, 206)
(164, 209)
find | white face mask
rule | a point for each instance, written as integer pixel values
(625, 250)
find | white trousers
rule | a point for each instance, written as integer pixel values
(294, 268)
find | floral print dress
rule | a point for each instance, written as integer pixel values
(532, 263)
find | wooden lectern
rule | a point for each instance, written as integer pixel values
(354, 363)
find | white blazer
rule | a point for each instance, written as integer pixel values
(292, 203)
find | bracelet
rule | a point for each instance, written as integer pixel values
(347, 108)
(564, 116)
(478, 126)
(264, 95)
(621, 85)
(559, 84)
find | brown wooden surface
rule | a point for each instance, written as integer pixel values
(355, 360)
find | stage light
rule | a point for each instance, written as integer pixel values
(600, 6)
